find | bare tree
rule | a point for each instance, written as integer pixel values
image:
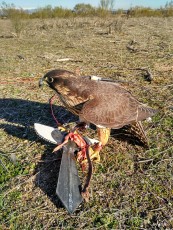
(107, 4)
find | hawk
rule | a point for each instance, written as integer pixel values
(105, 104)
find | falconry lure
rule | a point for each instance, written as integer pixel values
(98, 101)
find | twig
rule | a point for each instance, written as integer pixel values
(1, 163)
(157, 209)
(85, 193)
(148, 75)
(64, 59)
(67, 59)
(144, 161)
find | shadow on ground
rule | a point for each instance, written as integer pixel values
(18, 117)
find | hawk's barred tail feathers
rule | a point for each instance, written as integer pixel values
(137, 130)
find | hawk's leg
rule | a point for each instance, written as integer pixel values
(103, 134)
(94, 151)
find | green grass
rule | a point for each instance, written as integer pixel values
(131, 188)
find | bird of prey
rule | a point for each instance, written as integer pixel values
(105, 104)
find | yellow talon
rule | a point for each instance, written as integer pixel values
(94, 156)
(67, 127)
(61, 128)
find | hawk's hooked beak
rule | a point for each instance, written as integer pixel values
(41, 81)
(46, 79)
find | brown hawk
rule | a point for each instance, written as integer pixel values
(102, 103)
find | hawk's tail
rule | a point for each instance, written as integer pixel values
(137, 130)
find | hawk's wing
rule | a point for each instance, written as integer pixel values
(114, 112)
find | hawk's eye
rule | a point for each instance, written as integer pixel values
(50, 79)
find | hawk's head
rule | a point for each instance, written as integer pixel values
(56, 78)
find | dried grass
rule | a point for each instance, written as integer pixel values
(131, 188)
